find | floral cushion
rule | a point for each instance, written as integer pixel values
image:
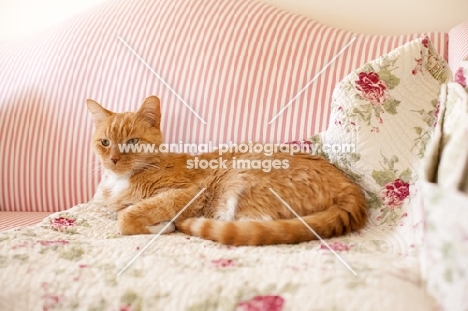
(452, 171)
(454, 105)
(445, 249)
(445, 201)
(386, 109)
(461, 74)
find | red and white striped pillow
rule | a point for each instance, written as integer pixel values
(236, 63)
(458, 45)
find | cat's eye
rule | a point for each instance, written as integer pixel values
(105, 142)
(132, 141)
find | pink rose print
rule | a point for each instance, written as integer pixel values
(50, 300)
(52, 242)
(223, 263)
(418, 67)
(337, 246)
(372, 88)
(394, 193)
(262, 303)
(126, 307)
(460, 77)
(425, 42)
(19, 245)
(61, 223)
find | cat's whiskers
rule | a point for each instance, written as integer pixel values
(147, 166)
(93, 168)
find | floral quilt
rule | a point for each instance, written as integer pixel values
(70, 261)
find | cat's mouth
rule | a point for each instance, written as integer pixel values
(118, 168)
(124, 166)
(123, 169)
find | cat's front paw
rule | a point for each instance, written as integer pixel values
(162, 228)
(130, 224)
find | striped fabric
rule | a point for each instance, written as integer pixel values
(235, 63)
(458, 45)
(9, 220)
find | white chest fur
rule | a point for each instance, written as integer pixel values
(115, 184)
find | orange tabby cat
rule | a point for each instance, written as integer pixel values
(237, 206)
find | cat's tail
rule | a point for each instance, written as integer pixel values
(334, 221)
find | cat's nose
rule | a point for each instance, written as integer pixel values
(115, 160)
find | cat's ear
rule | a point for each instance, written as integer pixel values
(150, 110)
(98, 112)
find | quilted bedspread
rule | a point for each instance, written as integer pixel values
(70, 261)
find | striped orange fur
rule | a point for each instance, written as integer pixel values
(237, 206)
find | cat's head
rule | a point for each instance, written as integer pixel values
(119, 137)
